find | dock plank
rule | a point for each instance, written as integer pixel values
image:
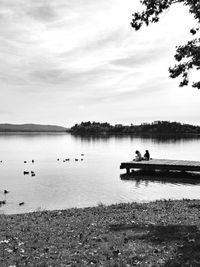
(162, 164)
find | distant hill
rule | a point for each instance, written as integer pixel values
(5, 127)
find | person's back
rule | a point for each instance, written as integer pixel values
(147, 155)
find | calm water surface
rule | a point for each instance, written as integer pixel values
(96, 179)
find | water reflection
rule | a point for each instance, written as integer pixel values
(93, 138)
(190, 178)
(169, 139)
(60, 185)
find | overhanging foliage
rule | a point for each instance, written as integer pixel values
(188, 55)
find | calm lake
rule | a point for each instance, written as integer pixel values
(88, 182)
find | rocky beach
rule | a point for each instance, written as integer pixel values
(161, 233)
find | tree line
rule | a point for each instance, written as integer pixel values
(156, 127)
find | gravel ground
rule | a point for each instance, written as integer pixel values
(161, 233)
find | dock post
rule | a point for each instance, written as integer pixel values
(127, 170)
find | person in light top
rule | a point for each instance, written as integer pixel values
(138, 156)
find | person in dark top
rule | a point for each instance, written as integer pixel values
(146, 155)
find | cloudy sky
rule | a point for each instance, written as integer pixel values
(67, 61)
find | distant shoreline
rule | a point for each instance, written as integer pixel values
(135, 134)
(157, 129)
(31, 132)
(104, 135)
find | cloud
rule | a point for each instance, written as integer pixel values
(94, 78)
(43, 12)
(107, 40)
(142, 57)
(82, 53)
(143, 90)
(31, 49)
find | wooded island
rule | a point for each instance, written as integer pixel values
(157, 127)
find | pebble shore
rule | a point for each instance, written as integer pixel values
(161, 233)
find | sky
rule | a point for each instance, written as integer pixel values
(63, 62)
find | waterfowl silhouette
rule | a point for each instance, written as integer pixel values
(82, 154)
(21, 203)
(26, 172)
(2, 202)
(33, 161)
(76, 159)
(5, 191)
(32, 173)
(25, 161)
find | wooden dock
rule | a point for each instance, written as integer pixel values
(162, 164)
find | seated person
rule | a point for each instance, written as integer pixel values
(146, 155)
(138, 156)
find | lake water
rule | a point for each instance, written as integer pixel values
(94, 180)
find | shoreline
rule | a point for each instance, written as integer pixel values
(159, 233)
(102, 134)
(108, 134)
